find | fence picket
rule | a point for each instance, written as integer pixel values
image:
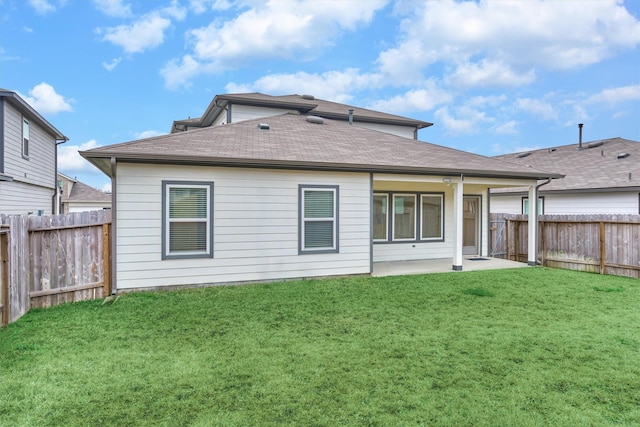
(55, 259)
(606, 244)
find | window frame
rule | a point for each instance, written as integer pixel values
(26, 124)
(441, 227)
(166, 220)
(302, 189)
(386, 219)
(418, 226)
(540, 207)
(393, 217)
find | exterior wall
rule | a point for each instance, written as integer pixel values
(85, 206)
(255, 225)
(32, 188)
(240, 113)
(402, 251)
(40, 168)
(574, 204)
(18, 198)
(403, 131)
(245, 112)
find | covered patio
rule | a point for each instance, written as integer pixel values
(441, 265)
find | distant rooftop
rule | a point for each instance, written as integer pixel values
(604, 165)
(304, 104)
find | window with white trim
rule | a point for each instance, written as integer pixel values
(431, 225)
(318, 219)
(411, 217)
(525, 205)
(187, 216)
(380, 217)
(25, 138)
(404, 217)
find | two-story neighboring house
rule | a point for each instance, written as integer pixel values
(28, 158)
(234, 108)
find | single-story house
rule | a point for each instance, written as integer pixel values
(295, 195)
(80, 197)
(28, 159)
(601, 177)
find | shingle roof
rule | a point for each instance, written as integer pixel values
(595, 167)
(81, 192)
(293, 142)
(305, 104)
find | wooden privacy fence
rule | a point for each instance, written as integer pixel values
(4, 275)
(605, 244)
(50, 260)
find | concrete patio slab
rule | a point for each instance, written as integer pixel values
(442, 265)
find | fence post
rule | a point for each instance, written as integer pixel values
(603, 249)
(506, 238)
(542, 242)
(4, 277)
(106, 260)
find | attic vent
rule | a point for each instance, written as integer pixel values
(315, 119)
(623, 155)
(264, 126)
(309, 97)
(595, 144)
(521, 155)
(551, 150)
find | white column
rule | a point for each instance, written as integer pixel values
(532, 251)
(458, 214)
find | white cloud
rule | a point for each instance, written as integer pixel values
(542, 109)
(42, 7)
(616, 95)
(106, 187)
(201, 6)
(112, 64)
(44, 99)
(178, 73)
(114, 8)
(146, 33)
(508, 128)
(429, 96)
(70, 161)
(175, 11)
(331, 85)
(148, 134)
(489, 73)
(492, 43)
(272, 30)
(464, 121)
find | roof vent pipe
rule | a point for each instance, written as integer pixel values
(580, 135)
(350, 116)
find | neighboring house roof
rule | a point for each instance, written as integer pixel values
(295, 141)
(604, 165)
(81, 192)
(19, 103)
(304, 104)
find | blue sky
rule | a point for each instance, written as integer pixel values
(493, 76)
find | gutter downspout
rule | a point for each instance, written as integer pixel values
(114, 216)
(56, 194)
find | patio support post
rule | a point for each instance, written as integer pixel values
(532, 251)
(458, 204)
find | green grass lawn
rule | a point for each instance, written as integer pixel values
(490, 348)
